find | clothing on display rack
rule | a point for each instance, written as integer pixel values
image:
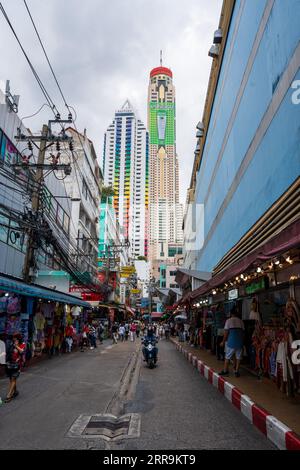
(3, 304)
(13, 304)
(48, 309)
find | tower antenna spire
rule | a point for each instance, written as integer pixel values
(161, 58)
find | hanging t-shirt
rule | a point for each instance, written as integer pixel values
(47, 310)
(13, 325)
(39, 321)
(76, 311)
(13, 305)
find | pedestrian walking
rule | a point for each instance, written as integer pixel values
(84, 337)
(138, 330)
(132, 331)
(122, 332)
(69, 343)
(114, 331)
(167, 330)
(161, 331)
(233, 341)
(14, 356)
(100, 331)
(126, 326)
(92, 337)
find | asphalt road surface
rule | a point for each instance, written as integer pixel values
(176, 407)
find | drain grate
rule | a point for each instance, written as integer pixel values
(106, 426)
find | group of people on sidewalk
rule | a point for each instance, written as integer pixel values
(125, 330)
(230, 347)
(12, 355)
(90, 334)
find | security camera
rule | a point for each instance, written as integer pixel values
(214, 51)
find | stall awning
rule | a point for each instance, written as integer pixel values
(11, 284)
(130, 310)
(286, 240)
(184, 275)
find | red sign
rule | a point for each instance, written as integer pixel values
(93, 297)
(78, 288)
(101, 277)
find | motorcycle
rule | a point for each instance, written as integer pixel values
(150, 352)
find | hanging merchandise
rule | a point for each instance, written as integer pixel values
(2, 353)
(2, 324)
(13, 325)
(59, 310)
(13, 304)
(254, 313)
(76, 311)
(292, 316)
(39, 321)
(48, 309)
(3, 304)
(285, 374)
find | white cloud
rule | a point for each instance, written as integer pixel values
(103, 52)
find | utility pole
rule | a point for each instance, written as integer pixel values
(45, 140)
(35, 201)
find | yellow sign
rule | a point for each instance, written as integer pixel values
(135, 291)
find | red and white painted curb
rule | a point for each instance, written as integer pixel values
(277, 432)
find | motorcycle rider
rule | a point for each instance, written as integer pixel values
(150, 337)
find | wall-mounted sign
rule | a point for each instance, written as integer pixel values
(256, 286)
(233, 294)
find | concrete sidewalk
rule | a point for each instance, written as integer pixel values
(262, 391)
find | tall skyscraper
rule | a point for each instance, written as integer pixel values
(126, 168)
(165, 210)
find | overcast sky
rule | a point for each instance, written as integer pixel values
(102, 52)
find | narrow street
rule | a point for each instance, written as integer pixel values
(177, 408)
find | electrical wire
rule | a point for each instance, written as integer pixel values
(32, 115)
(44, 91)
(46, 55)
(39, 81)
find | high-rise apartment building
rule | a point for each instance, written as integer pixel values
(165, 209)
(125, 168)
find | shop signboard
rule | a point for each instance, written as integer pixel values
(256, 286)
(122, 293)
(135, 291)
(233, 294)
(92, 297)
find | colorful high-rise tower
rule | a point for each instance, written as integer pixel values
(125, 169)
(165, 210)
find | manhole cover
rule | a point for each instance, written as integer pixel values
(106, 426)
